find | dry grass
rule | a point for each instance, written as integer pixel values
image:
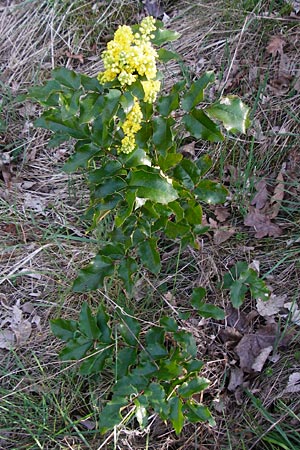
(43, 229)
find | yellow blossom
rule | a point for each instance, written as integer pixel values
(130, 127)
(131, 55)
(151, 88)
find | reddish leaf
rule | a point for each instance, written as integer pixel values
(260, 199)
(262, 224)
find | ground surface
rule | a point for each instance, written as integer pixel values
(253, 47)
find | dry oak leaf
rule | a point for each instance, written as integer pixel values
(293, 384)
(262, 195)
(221, 213)
(254, 349)
(272, 306)
(262, 224)
(236, 378)
(223, 234)
(275, 45)
(277, 197)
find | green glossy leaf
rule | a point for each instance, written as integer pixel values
(69, 103)
(110, 414)
(176, 414)
(153, 186)
(108, 169)
(234, 273)
(107, 204)
(171, 160)
(195, 94)
(193, 213)
(187, 342)
(52, 120)
(162, 133)
(67, 78)
(194, 386)
(95, 362)
(141, 414)
(76, 348)
(232, 112)
(126, 357)
(156, 397)
(168, 323)
(258, 288)
(165, 55)
(187, 172)
(194, 366)
(155, 343)
(238, 292)
(175, 230)
(204, 163)
(208, 310)
(92, 277)
(58, 139)
(147, 251)
(200, 126)
(90, 106)
(177, 209)
(168, 103)
(103, 324)
(198, 413)
(83, 153)
(88, 323)
(127, 102)
(63, 329)
(111, 104)
(91, 83)
(137, 158)
(110, 186)
(42, 93)
(126, 211)
(198, 296)
(126, 270)
(169, 370)
(161, 36)
(211, 192)
(129, 329)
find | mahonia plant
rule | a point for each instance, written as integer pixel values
(154, 371)
(128, 145)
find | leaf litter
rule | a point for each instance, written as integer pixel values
(17, 324)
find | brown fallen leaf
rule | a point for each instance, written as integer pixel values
(262, 195)
(78, 56)
(236, 378)
(277, 197)
(262, 224)
(237, 319)
(251, 348)
(272, 306)
(221, 213)
(275, 45)
(230, 336)
(7, 339)
(293, 384)
(223, 234)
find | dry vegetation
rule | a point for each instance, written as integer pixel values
(254, 47)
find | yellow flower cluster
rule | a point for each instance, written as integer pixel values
(130, 127)
(129, 56)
